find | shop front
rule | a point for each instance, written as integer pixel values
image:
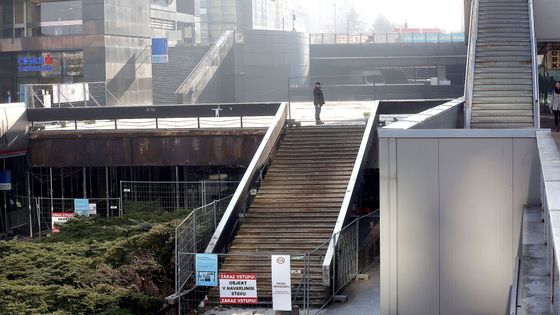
(43, 70)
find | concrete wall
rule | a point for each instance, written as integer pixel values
(265, 61)
(547, 22)
(451, 203)
(128, 68)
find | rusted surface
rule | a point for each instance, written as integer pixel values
(232, 147)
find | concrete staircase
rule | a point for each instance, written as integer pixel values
(503, 92)
(296, 209)
(168, 76)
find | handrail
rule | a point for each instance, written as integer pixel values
(471, 57)
(197, 80)
(220, 238)
(513, 295)
(534, 62)
(357, 171)
(385, 38)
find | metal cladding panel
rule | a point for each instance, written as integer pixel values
(451, 201)
(418, 226)
(476, 216)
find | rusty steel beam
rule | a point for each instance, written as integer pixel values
(233, 147)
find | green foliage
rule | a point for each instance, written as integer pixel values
(93, 266)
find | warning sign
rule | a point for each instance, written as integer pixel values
(238, 288)
(59, 218)
(553, 60)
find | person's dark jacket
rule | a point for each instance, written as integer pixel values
(319, 99)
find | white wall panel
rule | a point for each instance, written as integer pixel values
(475, 225)
(417, 226)
(450, 216)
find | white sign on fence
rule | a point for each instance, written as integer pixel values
(281, 283)
(238, 288)
(92, 209)
(59, 218)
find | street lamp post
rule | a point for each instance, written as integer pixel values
(334, 4)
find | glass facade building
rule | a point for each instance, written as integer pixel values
(31, 18)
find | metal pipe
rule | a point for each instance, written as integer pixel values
(534, 62)
(471, 55)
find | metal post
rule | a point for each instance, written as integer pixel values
(333, 271)
(176, 263)
(59, 98)
(62, 182)
(194, 232)
(85, 95)
(107, 190)
(121, 204)
(116, 124)
(28, 183)
(198, 122)
(38, 207)
(6, 224)
(241, 121)
(357, 248)
(157, 123)
(51, 192)
(84, 183)
(177, 194)
(204, 202)
(289, 98)
(215, 216)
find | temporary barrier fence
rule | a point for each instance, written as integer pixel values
(45, 207)
(356, 252)
(172, 195)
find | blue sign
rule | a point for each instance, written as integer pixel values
(6, 180)
(160, 50)
(35, 64)
(81, 207)
(206, 268)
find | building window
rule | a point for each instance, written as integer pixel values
(28, 18)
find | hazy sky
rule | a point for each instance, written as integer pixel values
(445, 14)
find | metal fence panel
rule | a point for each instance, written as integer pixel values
(192, 236)
(172, 196)
(44, 207)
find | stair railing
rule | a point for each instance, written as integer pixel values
(471, 59)
(238, 204)
(193, 86)
(351, 193)
(535, 70)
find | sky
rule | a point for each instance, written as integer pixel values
(444, 14)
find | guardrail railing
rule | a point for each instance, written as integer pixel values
(193, 86)
(238, 203)
(351, 192)
(471, 58)
(535, 66)
(385, 38)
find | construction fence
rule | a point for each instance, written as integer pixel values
(173, 195)
(313, 281)
(50, 211)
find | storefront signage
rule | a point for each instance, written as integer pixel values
(160, 50)
(36, 64)
(59, 218)
(206, 267)
(81, 207)
(238, 288)
(553, 60)
(5, 180)
(281, 283)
